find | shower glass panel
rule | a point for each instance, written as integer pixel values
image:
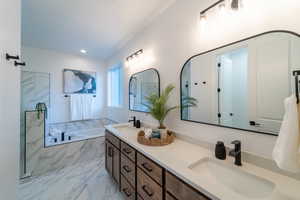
(35, 88)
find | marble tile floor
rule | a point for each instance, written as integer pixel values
(83, 181)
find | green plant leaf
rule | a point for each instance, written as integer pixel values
(158, 107)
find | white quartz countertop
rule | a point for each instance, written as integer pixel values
(178, 156)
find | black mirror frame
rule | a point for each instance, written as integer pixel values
(131, 77)
(236, 42)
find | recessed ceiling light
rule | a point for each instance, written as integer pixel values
(83, 51)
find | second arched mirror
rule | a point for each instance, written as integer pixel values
(141, 85)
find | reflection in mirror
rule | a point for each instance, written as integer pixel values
(242, 85)
(143, 84)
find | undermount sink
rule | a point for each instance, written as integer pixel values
(234, 178)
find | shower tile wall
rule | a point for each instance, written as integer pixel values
(35, 126)
(35, 88)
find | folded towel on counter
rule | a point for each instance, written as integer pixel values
(287, 149)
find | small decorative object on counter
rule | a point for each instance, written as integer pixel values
(138, 124)
(220, 151)
(148, 133)
(163, 133)
(156, 134)
(142, 139)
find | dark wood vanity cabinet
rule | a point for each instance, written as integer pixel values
(112, 157)
(140, 178)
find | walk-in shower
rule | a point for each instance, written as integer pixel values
(40, 134)
(35, 88)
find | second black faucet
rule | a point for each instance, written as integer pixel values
(236, 152)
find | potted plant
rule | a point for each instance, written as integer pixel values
(159, 108)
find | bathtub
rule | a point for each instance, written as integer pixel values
(75, 131)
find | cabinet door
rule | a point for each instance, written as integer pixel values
(116, 164)
(109, 158)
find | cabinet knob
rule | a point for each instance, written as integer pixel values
(147, 167)
(110, 152)
(147, 190)
(127, 150)
(127, 192)
(127, 168)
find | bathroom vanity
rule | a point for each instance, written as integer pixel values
(184, 171)
(141, 178)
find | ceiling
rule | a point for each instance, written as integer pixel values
(99, 26)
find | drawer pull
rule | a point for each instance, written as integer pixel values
(147, 191)
(127, 192)
(127, 150)
(147, 167)
(127, 168)
(110, 152)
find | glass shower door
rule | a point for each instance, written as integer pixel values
(35, 88)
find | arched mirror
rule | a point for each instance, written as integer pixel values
(243, 85)
(141, 85)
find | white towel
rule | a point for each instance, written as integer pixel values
(87, 106)
(287, 149)
(76, 107)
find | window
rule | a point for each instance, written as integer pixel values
(115, 89)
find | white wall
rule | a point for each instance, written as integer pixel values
(42, 60)
(10, 41)
(175, 36)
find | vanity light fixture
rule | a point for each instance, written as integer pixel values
(134, 55)
(222, 4)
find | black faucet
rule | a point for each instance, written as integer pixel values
(236, 152)
(133, 120)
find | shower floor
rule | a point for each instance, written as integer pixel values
(62, 133)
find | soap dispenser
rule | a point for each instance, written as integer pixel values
(220, 151)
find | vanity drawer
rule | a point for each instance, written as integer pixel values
(127, 190)
(128, 169)
(180, 190)
(112, 139)
(128, 151)
(149, 167)
(169, 197)
(147, 188)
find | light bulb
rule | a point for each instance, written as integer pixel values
(236, 4)
(202, 20)
(222, 8)
(83, 51)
